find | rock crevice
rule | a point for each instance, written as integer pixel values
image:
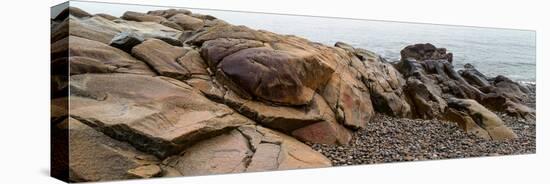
(208, 97)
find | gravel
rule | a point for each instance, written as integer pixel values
(390, 139)
(531, 101)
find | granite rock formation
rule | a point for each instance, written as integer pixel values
(174, 93)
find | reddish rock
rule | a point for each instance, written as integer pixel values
(277, 76)
(88, 56)
(187, 22)
(169, 12)
(74, 11)
(248, 149)
(466, 122)
(426, 98)
(327, 131)
(94, 28)
(172, 25)
(352, 105)
(230, 31)
(226, 153)
(296, 121)
(162, 57)
(106, 16)
(208, 87)
(146, 171)
(193, 62)
(94, 156)
(158, 115)
(486, 119)
(382, 83)
(213, 51)
(232, 99)
(103, 30)
(141, 17)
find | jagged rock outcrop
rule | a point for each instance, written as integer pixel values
(501, 93)
(205, 97)
(293, 69)
(466, 122)
(187, 22)
(253, 70)
(384, 82)
(73, 11)
(158, 115)
(507, 96)
(162, 57)
(313, 123)
(94, 156)
(106, 16)
(142, 17)
(89, 56)
(103, 30)
(126, 41)
(169, 12)
(433, 83)
(423, 89)
(474, 77)
(308, 67)
(426, 51)
(482, 117)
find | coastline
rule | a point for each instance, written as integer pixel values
(486, 48)
(189, 94)
(390, 139)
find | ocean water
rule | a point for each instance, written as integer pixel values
(507, 52)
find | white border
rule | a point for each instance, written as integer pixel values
(25, 86)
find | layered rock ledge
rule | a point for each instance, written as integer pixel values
(175, 93)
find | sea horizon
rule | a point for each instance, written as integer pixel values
(493, 51)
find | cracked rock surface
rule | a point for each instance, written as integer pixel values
(175, 93)
(247, 149)
(94, 156)
(156, 114)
